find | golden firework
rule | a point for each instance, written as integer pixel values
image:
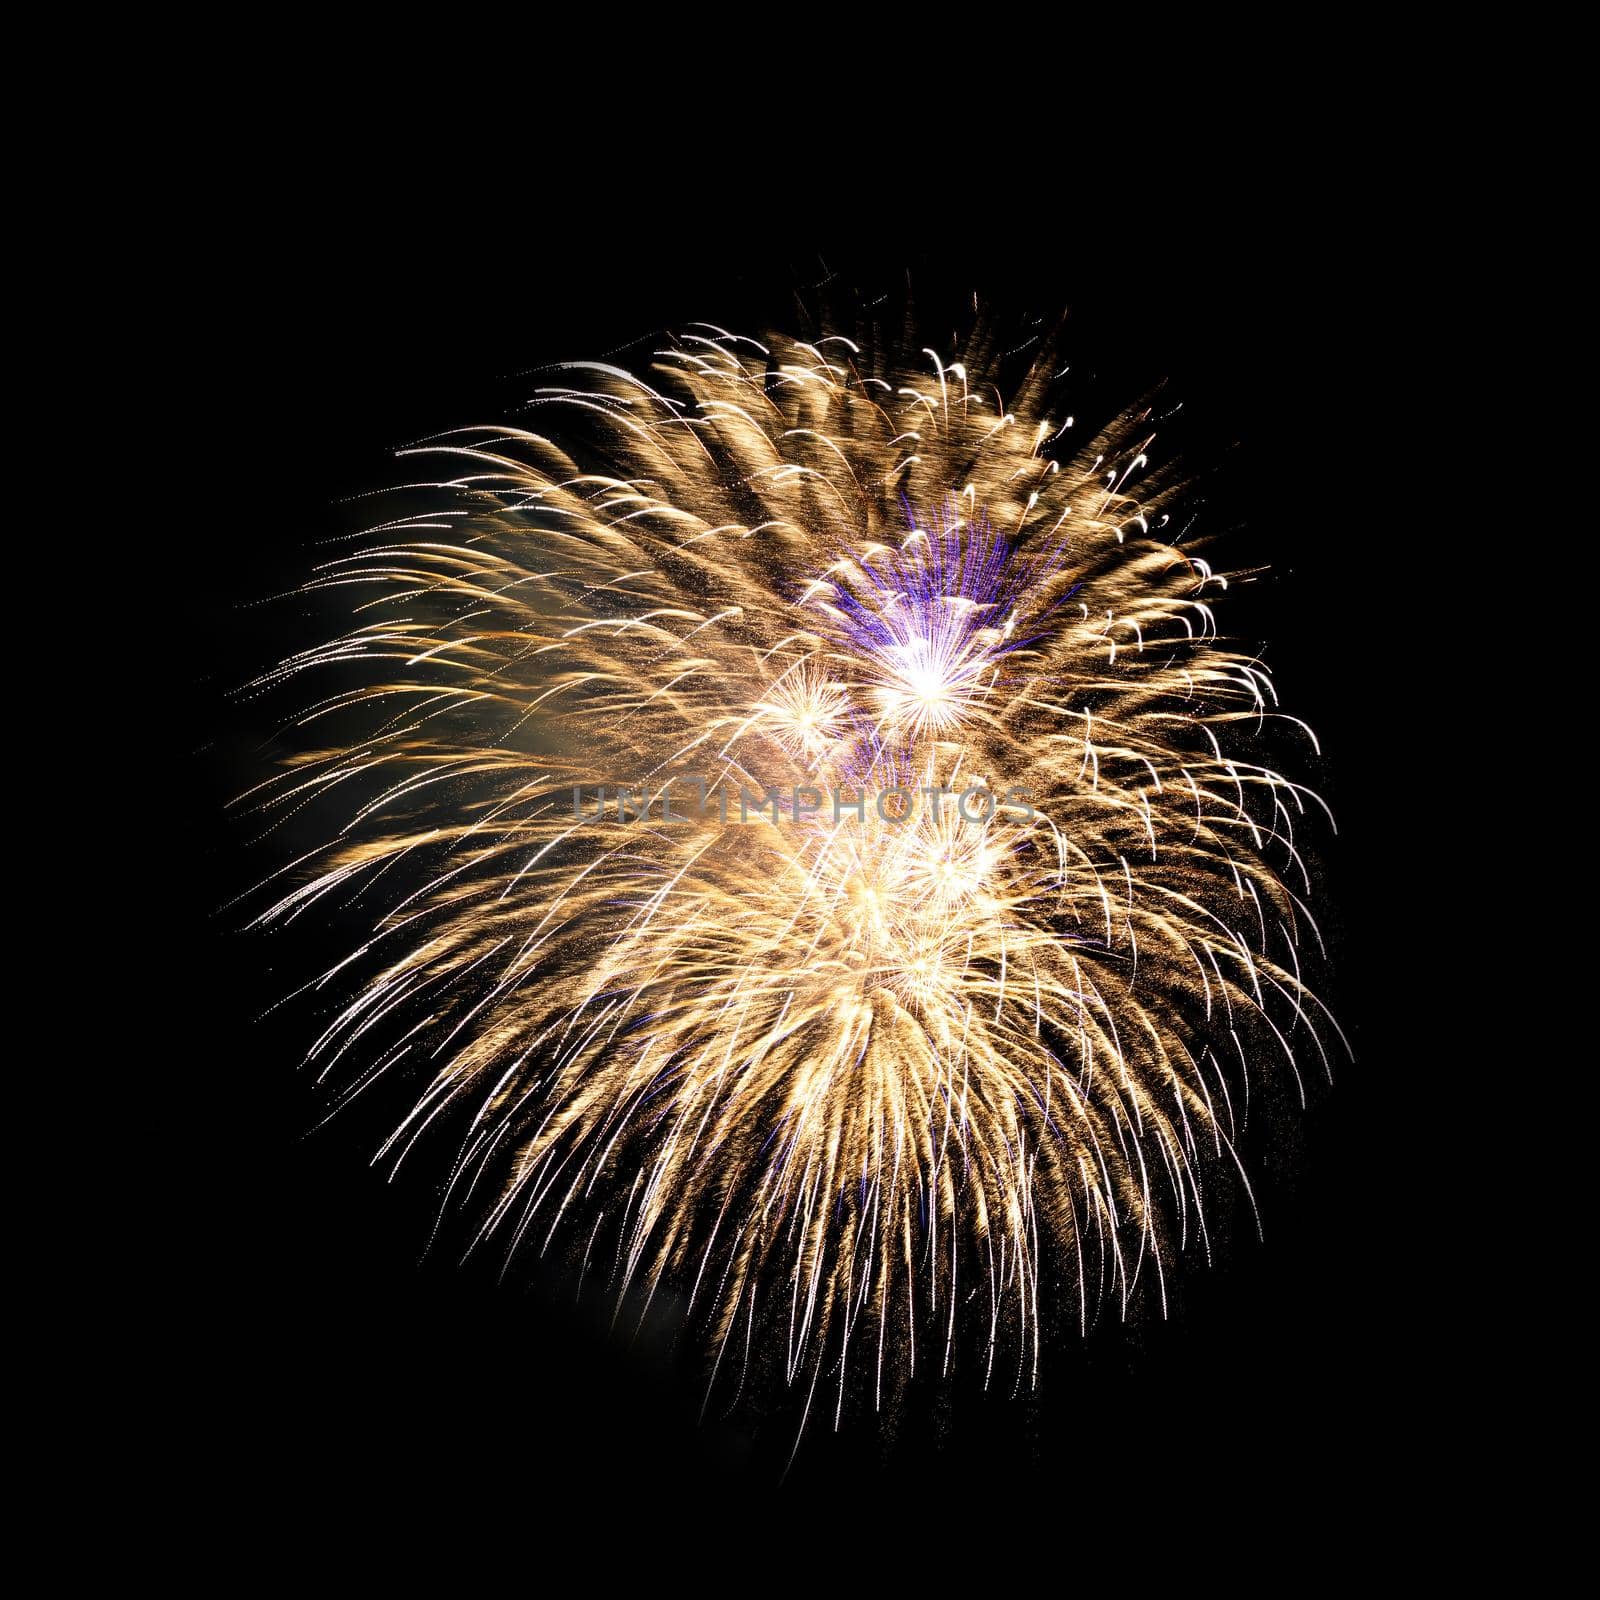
(934, 929)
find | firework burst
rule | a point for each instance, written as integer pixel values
(924, 957)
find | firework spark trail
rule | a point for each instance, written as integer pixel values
(840, 1075)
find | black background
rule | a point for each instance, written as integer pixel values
(1290, 1371)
